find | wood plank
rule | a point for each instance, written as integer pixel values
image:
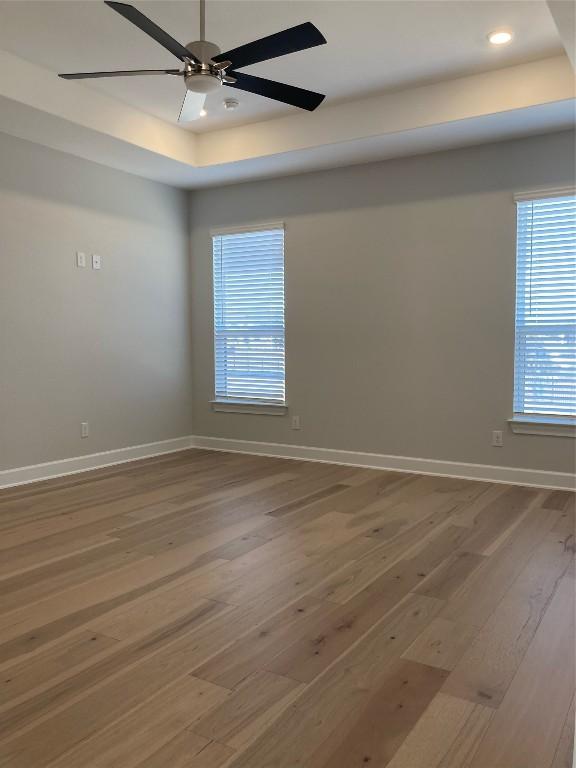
(499, 516)
(526, 728)
(123, 657)
(333, 634)
(257, 648)
(442, 643)
(154, 611)
(330, 633)
(434, 733)
(403, 695)
(53, 736)
(480, 594)
(134, 738)
(35, 554)
(33, 627)
(250, 709)
(564, 755)
(38, 625)
(450, 575)
(358, 574)
(35, 530)
(329, 707)
(304, 503)
(179, 752)
(487, 668)
(32, 586)
(465, 745)
(562, 500)
(28, 676)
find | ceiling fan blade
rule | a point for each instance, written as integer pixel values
(289, 94)
(120, 73)
(191, 106)
(289, 41)
(152, 29)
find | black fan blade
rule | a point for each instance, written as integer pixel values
(120, 73)
(289, 94)
(153, 30)
(289, 41)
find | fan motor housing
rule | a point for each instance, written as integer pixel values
(203, 49)
(204, 77)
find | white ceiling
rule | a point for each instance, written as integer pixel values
(373, 47)
(401, 78)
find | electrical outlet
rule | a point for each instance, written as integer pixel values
(84, 429)
(80, 259)
(497, 438)
(296, 422)
(96, 261)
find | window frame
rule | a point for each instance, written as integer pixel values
(527, 423)
(247, 405)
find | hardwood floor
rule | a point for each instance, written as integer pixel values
(211, 610)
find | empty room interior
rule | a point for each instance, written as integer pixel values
(287, 383)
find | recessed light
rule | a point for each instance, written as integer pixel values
(203, 113)
(499, 37)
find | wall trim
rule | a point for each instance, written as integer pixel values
(539, 194)
(486, 472)
(61, 467)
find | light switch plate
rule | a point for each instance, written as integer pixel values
(96, 261)
(80, 259)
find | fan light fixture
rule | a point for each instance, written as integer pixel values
(500, 37)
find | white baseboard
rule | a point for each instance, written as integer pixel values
(50, 469)
(510, 475)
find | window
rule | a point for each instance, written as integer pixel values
(545, 357)
(249, 315)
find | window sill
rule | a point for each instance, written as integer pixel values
(543, 425)
(247, 406)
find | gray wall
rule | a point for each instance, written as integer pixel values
(400, 303)
(110, 347)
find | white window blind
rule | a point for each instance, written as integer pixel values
(249, 315)
(545, 358)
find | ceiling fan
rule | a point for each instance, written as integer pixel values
(205, 68)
